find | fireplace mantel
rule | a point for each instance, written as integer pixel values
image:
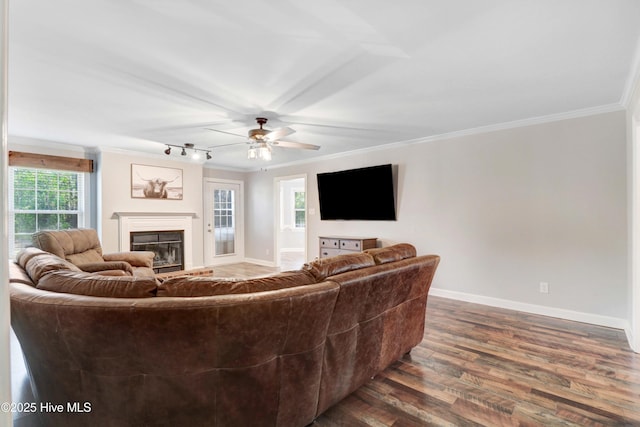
(125, 214)
(157, 221)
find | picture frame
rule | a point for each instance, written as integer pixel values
(156, 182)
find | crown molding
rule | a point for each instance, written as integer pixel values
(532, 121)
(44, 145)
(585, 112)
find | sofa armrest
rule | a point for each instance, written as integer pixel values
(101, 267)
(135, 258)
(118, 273)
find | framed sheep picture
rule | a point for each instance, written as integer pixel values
(155, 182)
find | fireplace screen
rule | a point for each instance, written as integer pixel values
(168, 247)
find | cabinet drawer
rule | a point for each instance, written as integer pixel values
(329, 243)
(327, 252)
(351, 245)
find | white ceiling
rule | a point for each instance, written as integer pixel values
(345, 74)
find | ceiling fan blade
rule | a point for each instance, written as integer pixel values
(228, 133)
(279, 133)
(291, 144)
(215, 147)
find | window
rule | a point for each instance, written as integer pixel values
(41, 199)
(223, 215)
(299, 208)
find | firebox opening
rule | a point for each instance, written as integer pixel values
(168, 247)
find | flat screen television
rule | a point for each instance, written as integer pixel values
(358, 194)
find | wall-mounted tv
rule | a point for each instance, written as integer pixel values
(358, 194)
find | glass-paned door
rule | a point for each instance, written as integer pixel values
(223, 241)
(223, 219)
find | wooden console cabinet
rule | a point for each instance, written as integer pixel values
(337, 245)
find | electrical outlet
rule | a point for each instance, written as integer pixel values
(544, 287)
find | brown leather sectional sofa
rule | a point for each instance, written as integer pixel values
(196, 351)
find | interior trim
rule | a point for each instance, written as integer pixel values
(44, 161)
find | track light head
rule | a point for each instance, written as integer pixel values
(184, 152)
(168, 150)
(208, 156)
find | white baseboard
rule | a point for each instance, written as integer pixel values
(260, 262)
(594, 319)
(633, 343)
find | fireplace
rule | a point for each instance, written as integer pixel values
(167, 245)
(133, 222)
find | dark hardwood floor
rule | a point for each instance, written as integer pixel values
(481, 366)
(484, 366)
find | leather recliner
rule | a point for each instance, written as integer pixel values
(82, 248)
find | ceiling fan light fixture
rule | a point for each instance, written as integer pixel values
(261, 141)
(264, 152)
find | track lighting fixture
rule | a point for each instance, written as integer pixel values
(189, 146)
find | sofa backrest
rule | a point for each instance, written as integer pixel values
(79, 246)
(38, 263)
(188, 286)
(393, 253)
(98, 285)
(378, 317)
(326, 267)
(245, 359)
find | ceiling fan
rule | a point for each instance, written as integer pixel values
(263, 140)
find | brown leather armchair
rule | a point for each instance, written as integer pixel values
(82, 248)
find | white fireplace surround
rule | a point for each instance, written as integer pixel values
(129, 222)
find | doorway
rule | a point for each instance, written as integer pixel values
(223, 220)
(291, 222)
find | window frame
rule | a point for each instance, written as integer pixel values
(81, 211)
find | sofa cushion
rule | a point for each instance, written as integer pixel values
(198, 286)
(82, 283)
(326, 267)
(26, 254)
(135, 258)
(64, 243)
(41, 265)
(392, 253)
(86, 257)
(18, 275)
(95, 267)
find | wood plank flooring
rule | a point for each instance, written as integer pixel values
(483, 366)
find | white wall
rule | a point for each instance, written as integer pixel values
(505, 210)
(114, 195)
